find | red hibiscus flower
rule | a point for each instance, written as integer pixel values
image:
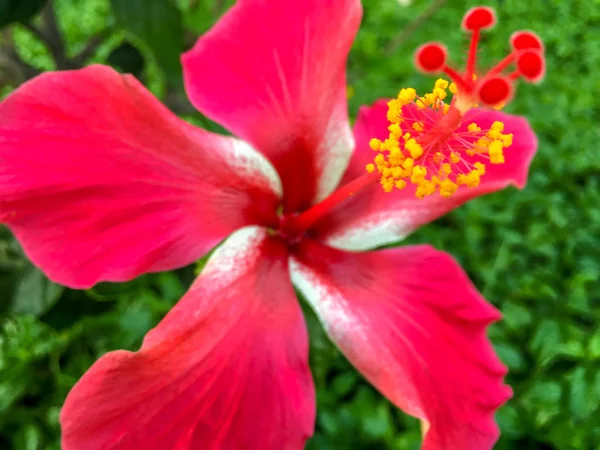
(100, 182)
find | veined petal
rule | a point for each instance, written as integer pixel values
(410, 320)
(226, 369)
(100, 182)
(373, 217)
(273, 73)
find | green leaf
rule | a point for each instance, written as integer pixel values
(594, 345)
(583, 401)
(127, 58)
(511, 356)
(18, 10)
(34, 293)
(546, 341)
(158, 24)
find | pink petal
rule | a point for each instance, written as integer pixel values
(100, 182)
(373, 217)
(273, 73)
(226, 369)
(412, 323)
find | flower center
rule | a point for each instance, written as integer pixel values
(428, 144)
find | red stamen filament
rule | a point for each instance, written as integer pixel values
(472, 55)
(456, 77)
(514, 75)
(305, 220)
(498, 68)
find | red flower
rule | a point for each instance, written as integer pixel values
(100, 182)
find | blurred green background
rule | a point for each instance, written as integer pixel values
(535, 253)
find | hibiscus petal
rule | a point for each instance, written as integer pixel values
(226, 369)
(410, 320)
(100, 182)
(273, 73)
(373, 217)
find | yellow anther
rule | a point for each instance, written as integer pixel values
(388, 184)
(447, 188)
(482, 144)
(418, 174)
(428, 99)
(370, 168)
(480, 168)
(507, 139)
(380, 159)
(400, 184)
(453, 88)
(397, 172)
(439, 94)
(420, 104)
(497, 126)
(414, 148)
(446, 108)
(390, 144)
(426, 188)
(496, 153)
(473, 127)
(406, 136)
(375, 144)
(418, 126)
(408, 164)
(440, 83)
(395, 130)
(471, 179)
(407, 96)
(394, 113)
(454, 158)
(495, 130)
(446, 170)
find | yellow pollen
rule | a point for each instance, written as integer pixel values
(473, 127)
(433, 159)
(480, 168)
(406, 96)
(441, 84)
(447, 188)
(375, 144)
(395, 130)
(496, 153)
(400, 184)
(414, 148)
(446, 170)
(418, 126)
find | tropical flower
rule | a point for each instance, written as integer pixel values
(100, 182)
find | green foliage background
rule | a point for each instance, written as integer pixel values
(535, 253)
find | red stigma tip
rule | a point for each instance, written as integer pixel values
(531, 65)
(494, 90)
(495, 87)
(524, 40)
(479, 18)
(431, 57)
